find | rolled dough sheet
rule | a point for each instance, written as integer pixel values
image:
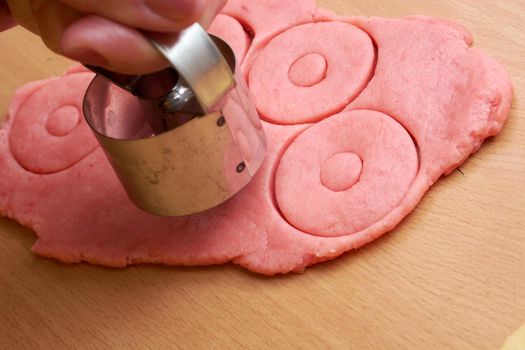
(362, 116)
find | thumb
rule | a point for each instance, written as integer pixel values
(99, 41)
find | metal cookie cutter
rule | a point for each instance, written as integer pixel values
(184, 139)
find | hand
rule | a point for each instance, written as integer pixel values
(109, 33)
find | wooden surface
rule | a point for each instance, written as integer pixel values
(451, 276)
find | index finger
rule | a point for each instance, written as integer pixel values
(151, 15)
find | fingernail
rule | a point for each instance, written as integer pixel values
(85, 55)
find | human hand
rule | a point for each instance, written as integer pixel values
(109, 33)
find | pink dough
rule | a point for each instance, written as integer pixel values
(295, 101)
(361, 115)
(231, 31)
(56, 141)
(389, 166)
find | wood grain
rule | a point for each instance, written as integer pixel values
(451, 276)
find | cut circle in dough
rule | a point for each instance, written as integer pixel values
(341, 171)
(48, 135)
(311, 79)
(308, 70)
(63, 121)
(316, 198)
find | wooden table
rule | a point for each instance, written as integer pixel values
(451, 276)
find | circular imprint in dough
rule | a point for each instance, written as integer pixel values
(51, 111)
(311, 72)
(63, 121)
(345, 173)
(308, 70)
(341, 171)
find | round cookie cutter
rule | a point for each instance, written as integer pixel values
(182, 140)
